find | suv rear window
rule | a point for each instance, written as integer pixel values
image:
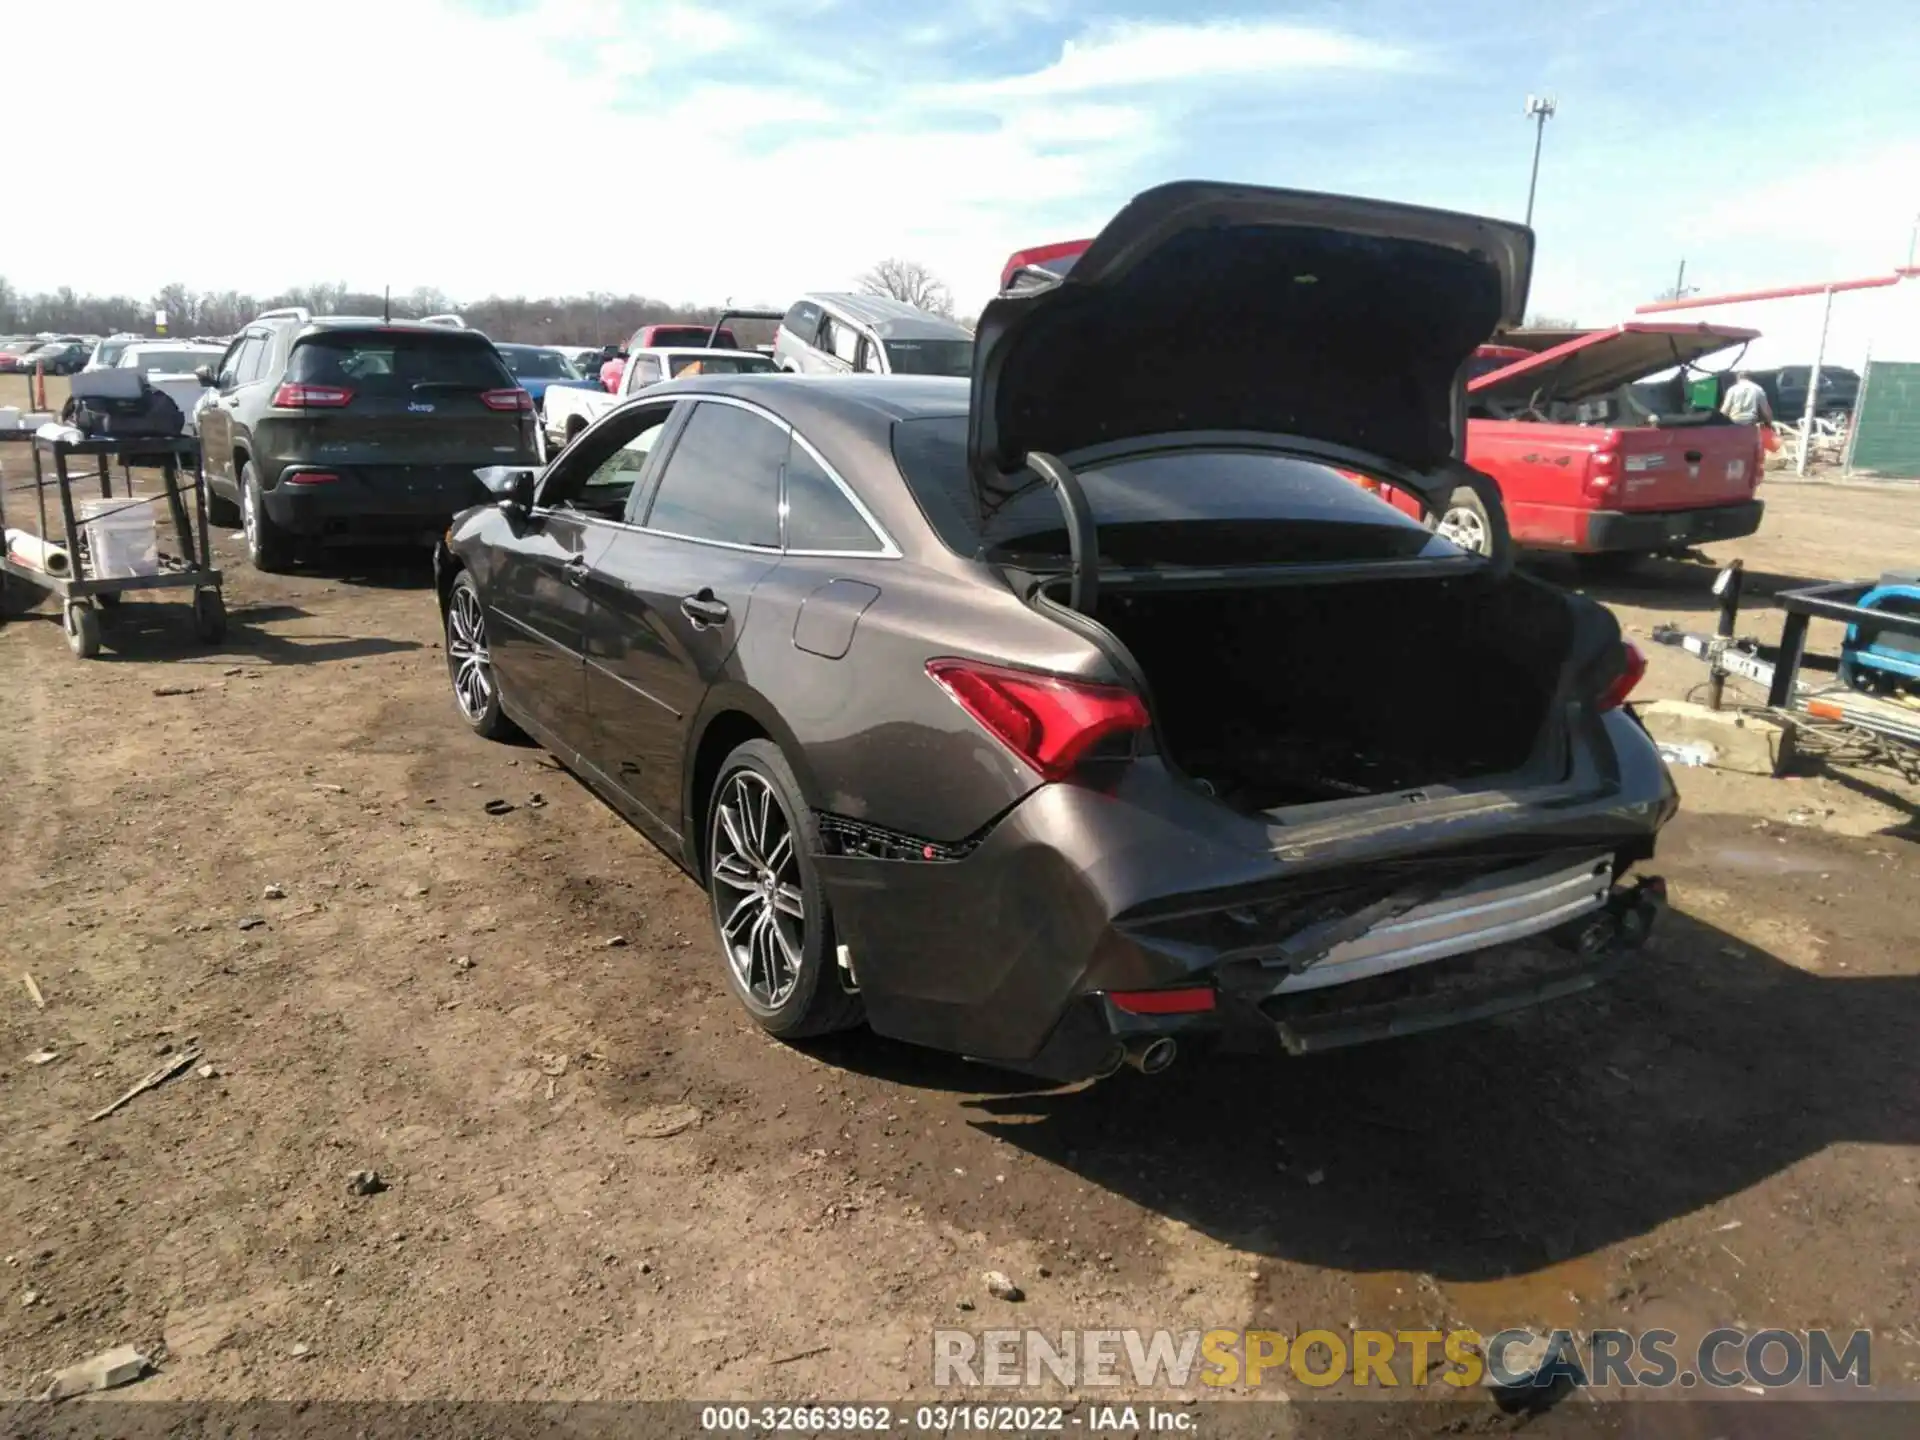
(1206, 507)
(393, 363)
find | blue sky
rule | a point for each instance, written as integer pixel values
(761, 147)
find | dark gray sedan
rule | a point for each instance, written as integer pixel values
(1088, 709)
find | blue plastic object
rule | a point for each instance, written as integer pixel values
(1873, 658)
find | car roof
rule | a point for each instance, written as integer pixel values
(892, 319)
(374, 322)
(696, 350)
(870, 400)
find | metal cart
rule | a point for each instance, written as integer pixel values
(83, 594)
(1883, 726)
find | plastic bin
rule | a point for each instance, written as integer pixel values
(121, 540)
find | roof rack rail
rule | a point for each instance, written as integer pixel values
(452, 322)
(287, 312)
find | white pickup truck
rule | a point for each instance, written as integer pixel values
(569, 411)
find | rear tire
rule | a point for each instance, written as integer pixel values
(1466, 523)
(769, 909)
(268, 546)
(220, 510)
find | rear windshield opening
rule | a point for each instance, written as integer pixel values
(930, 357)
(681, 365)
(530, 362)
(1188, 508)
(396, 364)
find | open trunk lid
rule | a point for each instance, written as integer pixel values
(1597, 361)
(1202, 311)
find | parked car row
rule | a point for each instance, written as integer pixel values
(1078, 708)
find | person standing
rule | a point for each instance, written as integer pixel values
(1746, 403)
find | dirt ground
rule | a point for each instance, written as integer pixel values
(604, 1182)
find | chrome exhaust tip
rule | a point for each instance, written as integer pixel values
(1111, 1062)
(1150, 1057)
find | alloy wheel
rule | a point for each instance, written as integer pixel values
(1465, 528)
(757, 898)
(467, 654)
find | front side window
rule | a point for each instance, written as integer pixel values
(842, 340)
(722, 480)
(646, 370)
(597, 477)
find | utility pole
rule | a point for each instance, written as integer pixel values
(1680, 281)
(1540, 109)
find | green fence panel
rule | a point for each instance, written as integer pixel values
(1886, 420)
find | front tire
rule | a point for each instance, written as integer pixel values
(769, 908)
(476, 689)
(268, 547)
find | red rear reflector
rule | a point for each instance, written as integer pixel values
(1163, 1002)
(310, 477)
(506, 399)
(1615, 695)
(1049, 721)
(291, 396)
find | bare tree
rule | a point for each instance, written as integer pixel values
(910, 281)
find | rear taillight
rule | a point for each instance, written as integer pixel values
(309, 477)
(515, 399)
(293, 396)
(1365, 482)
(1049, 721)
(1633, 670)
(1603, 466)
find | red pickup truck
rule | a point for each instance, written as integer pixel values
(1588, 462)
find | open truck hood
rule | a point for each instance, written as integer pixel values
(1206, 309)
(1597, 362)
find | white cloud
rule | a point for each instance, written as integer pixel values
(521, 155)
(1130, 54)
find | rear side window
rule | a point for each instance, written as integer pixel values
(722, 480)
(803, 321)
(394, 364)
(819, 515)
(1197, 507)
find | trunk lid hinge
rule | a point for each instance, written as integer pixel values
(1083, 536)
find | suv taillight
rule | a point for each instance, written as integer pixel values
(1050, 721)
(294, 396)
(515, 399)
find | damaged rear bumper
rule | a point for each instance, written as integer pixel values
(1031, 948)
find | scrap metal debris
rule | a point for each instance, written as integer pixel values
(39, 1000)
(365, 1182)
(498, 807)
(43, 1057)
(152, 1080)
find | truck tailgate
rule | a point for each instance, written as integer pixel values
(1686, 467)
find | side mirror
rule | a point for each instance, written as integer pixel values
(204, 374)
(519, 497)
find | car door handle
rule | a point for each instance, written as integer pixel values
(703, 609)
(576, 571)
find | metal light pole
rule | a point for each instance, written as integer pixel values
(1539, 109)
